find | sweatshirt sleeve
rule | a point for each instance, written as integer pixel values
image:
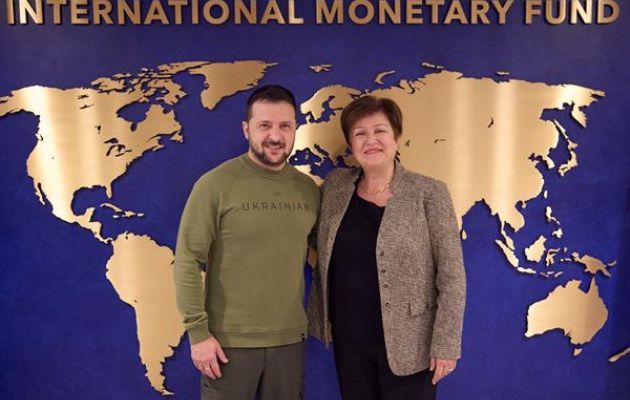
(197, 231)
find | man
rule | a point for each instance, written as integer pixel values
(248, 221)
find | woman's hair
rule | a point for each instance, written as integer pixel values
(368, 105)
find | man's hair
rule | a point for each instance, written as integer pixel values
(368, 105)
(272, 94)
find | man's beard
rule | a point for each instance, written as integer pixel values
(262, 157)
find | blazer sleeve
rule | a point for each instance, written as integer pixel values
(450, 277)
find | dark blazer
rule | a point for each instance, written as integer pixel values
(421, 271)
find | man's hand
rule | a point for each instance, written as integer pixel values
(442, 367)
(205, 354)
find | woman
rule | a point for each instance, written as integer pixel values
(389, 289)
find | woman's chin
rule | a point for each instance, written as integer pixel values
(374, 161)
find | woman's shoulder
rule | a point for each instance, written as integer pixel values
(340, 174)
(415, 181)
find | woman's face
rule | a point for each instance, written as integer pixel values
(372, 141)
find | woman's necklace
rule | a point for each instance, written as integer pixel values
(377, 191)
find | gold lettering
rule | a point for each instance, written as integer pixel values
(455, 12)
(177, 6)
(329, 14)
(479, 11)
(10, 12)
(56, 6)
(532, 8)
(586, 14)
(272, 12)
(207, 12)
(101, 9)
(354, 15)
(241, 10)
(293, 20)
(393, 13)
(502, 9)
(156, 12)
(36, 14)
(601, 11)
(435, 9)
(78, 12)
(194, 12)
(414, 12)
(124, 11)
(562, 12)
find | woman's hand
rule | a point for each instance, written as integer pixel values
(442, 367)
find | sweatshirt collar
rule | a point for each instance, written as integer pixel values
(264, 172)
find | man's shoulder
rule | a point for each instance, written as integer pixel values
(222, 173)
(303, 178)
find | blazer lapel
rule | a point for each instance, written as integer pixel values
(393, 205)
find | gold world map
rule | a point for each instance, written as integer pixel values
(485, 137)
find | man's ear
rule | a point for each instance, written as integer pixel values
(245, 127)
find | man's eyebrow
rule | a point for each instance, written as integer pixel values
(283, 121)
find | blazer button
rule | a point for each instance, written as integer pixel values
(385, 285)
(382, 253)
(387, 304)
(383, 271)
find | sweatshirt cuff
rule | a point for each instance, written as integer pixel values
(198, 333)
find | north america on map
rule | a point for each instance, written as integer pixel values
(458, 129)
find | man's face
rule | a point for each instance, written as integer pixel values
(270, 132)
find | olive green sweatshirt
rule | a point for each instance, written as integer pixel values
(249, 226)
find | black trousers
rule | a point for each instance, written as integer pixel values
(364, 374)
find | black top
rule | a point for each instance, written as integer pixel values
(355, 304)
